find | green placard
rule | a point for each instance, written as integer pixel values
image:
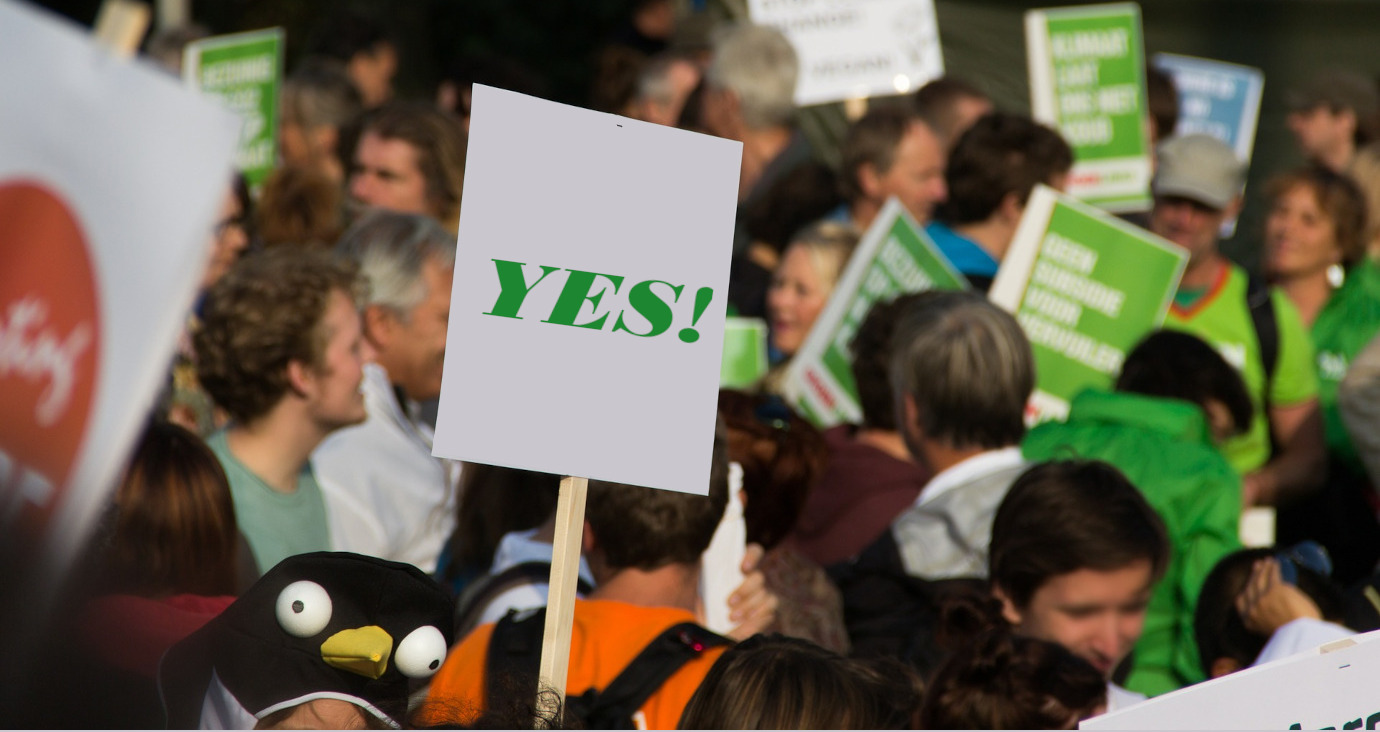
(745, 352)
(246, 71)
(894, 257)
(1086, 287)
(1087, 78)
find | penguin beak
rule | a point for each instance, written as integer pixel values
(364, 651)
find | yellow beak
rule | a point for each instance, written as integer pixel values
(364, 651)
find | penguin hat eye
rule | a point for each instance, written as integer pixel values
(303, 608)
(420, 653)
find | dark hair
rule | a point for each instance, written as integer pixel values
(872, 140)
(1340, 199)
(299, 206)
(647, 528)
(494, 501)
(999, 155)
(1177, 365)
(1217, 626)
(344, 34)
(790, 204)
(1006, 681)
(872, 349)
(967, 366)
(936, 102)
(267, 311)
(1064, 516)
(440, 143)
(782, 457)
(1162, 97)
(778, 682)
(173, 529)
(616, 71)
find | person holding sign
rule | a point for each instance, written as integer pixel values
(890, 152)
(992, 170)
(1198, 186)
(281, 350)
(386, 495)
(1314, 237)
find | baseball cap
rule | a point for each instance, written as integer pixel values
(1200, 168)
(1337, 89)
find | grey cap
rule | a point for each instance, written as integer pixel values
(1200, 168)
(1337, 89)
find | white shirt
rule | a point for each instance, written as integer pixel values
(518, 547)
(962, 472)
(386, 496)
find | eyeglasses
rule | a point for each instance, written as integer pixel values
(1309, 555)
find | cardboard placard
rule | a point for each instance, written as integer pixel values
(1087, 79)
(745, 352)
(245, 70)
(111, 175)
(591, 279)
(895, 256)
(851, 49)
(1086, 287)
(1332, 687)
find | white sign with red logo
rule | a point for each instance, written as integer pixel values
(110, 176)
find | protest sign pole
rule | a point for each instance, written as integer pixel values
(120, 25)
(560, 601)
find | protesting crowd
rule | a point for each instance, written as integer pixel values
(283, 549)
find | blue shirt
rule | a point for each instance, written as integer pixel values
(963, 253)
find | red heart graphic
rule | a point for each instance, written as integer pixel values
(50, 339)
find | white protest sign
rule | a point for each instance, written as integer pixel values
(1315, 690)
(587, 316)
(110, 177)
(851, 49)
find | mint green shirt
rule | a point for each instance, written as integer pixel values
(276, 525)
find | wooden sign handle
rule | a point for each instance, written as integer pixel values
(120, 26)
(560, 602)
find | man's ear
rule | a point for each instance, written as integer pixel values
(1011, 209)
(869, 181)
(1008, 608)
(910, 417)
(301, 378)
(380, 324)
(588, 542)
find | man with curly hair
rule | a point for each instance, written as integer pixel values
(281, 350)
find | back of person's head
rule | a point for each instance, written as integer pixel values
(778, 682)
(758, 64)
(1162, 97)
(299, 206)
(1177, 365)
(872, 141)
(872, 347)
(940, 103)
(265, 313)
(636, 527)
(391, 249)
(792, 203)
(318, 93)
(1064, 516)
(496, 500)
(965, 367)
(173, 529)
(1224, 643)
(1006, 681)
(782, 456)
(1339, 198)
(1002, 154)
(440, 144)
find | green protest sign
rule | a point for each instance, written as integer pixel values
(246, 71)
(745, 352)
(1087, 78)
(1086, 287)
(894, 257)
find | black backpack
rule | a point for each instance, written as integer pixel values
(478, 594)
(515, 653)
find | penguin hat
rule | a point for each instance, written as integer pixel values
(326, 625)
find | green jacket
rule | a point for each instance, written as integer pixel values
(1165, 448)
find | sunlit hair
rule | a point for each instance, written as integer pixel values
(1339, 199)
(391, 249)
(758, 64)
(872, 141)
(173, 530)
(829, 244)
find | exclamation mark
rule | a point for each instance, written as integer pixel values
(702, 298)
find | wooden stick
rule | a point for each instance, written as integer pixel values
(120, 26)
(560, 602)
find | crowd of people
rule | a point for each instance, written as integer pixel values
(284, 550)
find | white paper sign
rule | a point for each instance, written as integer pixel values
(111, 174)
(1315, 690)
(856, 48)
(587, 317)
